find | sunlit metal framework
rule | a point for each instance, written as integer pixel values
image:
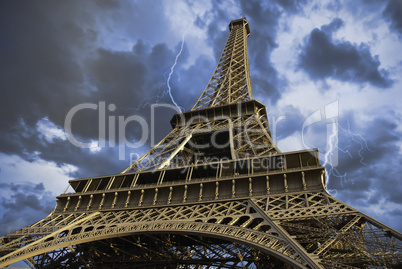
(214, 193)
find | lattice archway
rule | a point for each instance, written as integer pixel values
(170, 245)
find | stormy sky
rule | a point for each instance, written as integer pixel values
(329, 73)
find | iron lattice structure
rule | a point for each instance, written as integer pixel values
(216, 192)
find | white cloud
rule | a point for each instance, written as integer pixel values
(49, 130)
(383, 210)
(182, 19)
(17, 170)
(291, 143)
(94, 146)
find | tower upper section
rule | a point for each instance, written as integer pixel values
(230, 83)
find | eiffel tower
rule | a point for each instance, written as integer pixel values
(216, 192)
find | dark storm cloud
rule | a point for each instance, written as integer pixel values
(367, 174)
(21, 200)
(393, 14)
(53, 59)
(133, 80)
(290, 122)
(384, 157)
(397, 212)
(322, 57)
(193, 81)
(40, 72)
(105, 162)
(216, 37)
(332, 26)
(263, 19)
(369, 163)
(28, 200)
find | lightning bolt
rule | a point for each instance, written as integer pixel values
(358, 139)
(171, 72)
(333, 144)
(330, 167)
(147, 100)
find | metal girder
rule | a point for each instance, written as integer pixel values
(181, 220)
(234, 220)
(230, 82)
(250, 138)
